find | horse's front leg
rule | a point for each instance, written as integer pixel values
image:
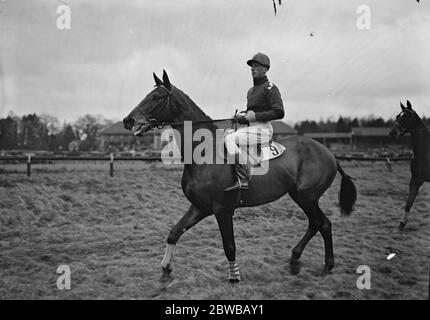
(414, 185)
(224, 218)
(190, 218)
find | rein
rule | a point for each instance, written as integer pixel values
(160, 125)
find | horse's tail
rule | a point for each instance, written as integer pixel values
(347, 193)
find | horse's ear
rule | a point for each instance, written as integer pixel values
(166, 80)
(402, 106)
(409, 104)
(158, 82)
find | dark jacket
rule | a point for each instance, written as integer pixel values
(265, 100)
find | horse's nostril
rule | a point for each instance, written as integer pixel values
(393, 133)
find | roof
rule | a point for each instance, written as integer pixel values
(280, 127)
(370, 131)
(328, 135)
(116, 128)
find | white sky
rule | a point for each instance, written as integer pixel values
(104, 64)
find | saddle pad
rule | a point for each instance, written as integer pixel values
(272, 151)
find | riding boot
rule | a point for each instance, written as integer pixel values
(242, 173)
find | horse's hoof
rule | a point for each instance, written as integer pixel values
(166, 274)
(235, 280)
(295, 266)
(402, 226)
(327, 269)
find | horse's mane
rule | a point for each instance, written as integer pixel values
(191, 108)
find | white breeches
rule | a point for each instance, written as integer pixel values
(256, 133)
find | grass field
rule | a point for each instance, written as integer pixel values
(111, 231)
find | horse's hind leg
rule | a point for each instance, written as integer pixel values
(414, 185)
(191, 217)
(325, 230)
(308, 208)
(317, 222)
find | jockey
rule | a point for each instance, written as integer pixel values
(264, 104)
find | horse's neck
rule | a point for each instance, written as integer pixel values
(190, 119)
(189, 111)
(421, 141)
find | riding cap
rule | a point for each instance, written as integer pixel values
(260, 58)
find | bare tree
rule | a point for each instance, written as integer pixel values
(87, 128)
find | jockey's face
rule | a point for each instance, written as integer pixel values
(257, 70)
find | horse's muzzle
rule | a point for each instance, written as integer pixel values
(393, 133)
(138, 129)
(128, 123)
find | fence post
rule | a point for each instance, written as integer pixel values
(111, 164)
(28, 165)
(388, 162)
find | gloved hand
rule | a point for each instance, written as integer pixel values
(242, 119)
(250, 115)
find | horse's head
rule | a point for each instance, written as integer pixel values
(406, 121)
(158, 106)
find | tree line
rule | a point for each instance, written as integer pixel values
(44, 132)
(345, 124)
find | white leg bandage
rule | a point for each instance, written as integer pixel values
(168, 255)
(234, 274)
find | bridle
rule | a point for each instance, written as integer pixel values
(404, 130)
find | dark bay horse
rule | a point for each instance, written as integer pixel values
(305, 171)
(408, 121)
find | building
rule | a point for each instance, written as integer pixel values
(281, 130)
(360, 138)
(115, 138)
(378, 137)
(333, 140)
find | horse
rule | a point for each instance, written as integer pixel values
(408, 121)
(305, 171)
